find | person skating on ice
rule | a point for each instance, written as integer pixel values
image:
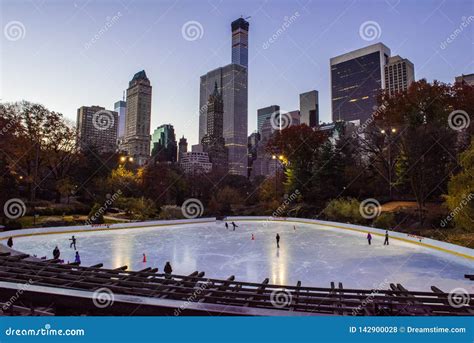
(386, 239)
(10, 242)
(278, 240)
(73, 242)
(369, 238)
(226, 226)
(234, 225)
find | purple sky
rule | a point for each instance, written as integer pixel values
(54, 59)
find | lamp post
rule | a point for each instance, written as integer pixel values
(281, 160)
(388, 134)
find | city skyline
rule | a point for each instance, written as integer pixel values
(273, 78)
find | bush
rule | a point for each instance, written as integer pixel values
(385, 221)
(170, 212)
(13, 225)
(344, 210)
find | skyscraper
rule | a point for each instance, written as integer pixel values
(399, 74)
(265, 113)
(137, 124)
(121, 108)
(213, 142)
(163, 144)
(309, 108)
(182, 147)
(240, 41)
(232, 82)
(96, 129)
(356, 79)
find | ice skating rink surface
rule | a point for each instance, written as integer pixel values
(312, 254)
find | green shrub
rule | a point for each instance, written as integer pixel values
(385, 220)
(344, 210)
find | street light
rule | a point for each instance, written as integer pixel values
(130, 159)
(123, 159)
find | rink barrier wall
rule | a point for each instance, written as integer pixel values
(99, 227)
(449, 248)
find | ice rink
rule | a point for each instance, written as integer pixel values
(313, 254)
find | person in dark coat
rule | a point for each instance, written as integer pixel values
(56, 253)
(386, 239)
(234, 225)
(73, 242)
(10, 242)
(278, 240)
(77, 259)
(369, 238)
(226, 225)
(168, 270)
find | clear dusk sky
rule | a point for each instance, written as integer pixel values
(49, 54)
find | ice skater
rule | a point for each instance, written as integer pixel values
(56, 253)
(10, 242)
(386, 239)
(278, 240)
(369, 238)
(77, 259)
(226, 226)
(294, 227)
(234, 225)
(73, 242)
(168, 270)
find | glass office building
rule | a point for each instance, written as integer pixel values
(356, 79)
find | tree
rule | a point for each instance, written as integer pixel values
(423, 136)
(460, 197)
(297, 148)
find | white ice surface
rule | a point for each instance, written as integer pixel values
(313, 254)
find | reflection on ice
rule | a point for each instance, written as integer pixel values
(311, 254)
